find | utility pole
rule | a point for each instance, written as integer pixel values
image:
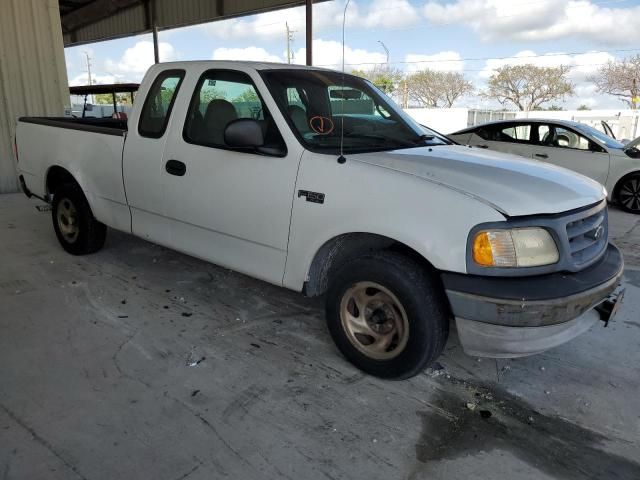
(93, 100)
(289, 40)
(88, 67)
(405, 95)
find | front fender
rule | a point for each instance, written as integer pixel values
(429, 218)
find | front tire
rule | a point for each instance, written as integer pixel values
(628, 193)
(77, 230)
(387, 315)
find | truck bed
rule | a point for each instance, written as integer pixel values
(108, 126)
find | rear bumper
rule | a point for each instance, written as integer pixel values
(511, 317)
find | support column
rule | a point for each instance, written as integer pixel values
(309, 31)
(156, 52)
(151, 24)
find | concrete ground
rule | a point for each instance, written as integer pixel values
(141, 363)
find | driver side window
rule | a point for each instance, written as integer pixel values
(220, 98)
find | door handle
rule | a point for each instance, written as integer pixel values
(542, 155)
(482, 146)
(176, 167)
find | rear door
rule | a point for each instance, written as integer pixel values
(514, 138)
(565, 147)
(143, 154)
(231, 207)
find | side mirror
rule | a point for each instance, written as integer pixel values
(244, 133)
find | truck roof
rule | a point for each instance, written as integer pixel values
(256, 65)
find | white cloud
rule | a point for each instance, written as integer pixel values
(249, 53)
(83, 79)
(136, 60)
(378, 14)
(582, 65)
(504, 20)
(385, 14)
(272, 24)
(448, 61)
(328, 53)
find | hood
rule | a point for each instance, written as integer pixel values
(513, 185)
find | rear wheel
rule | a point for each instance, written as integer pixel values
(77, 230)
(387, 315)
(628, 193)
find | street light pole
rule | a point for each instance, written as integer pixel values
(386, 50)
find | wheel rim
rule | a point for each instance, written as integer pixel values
(630, 194)
(67, 217)
(374, 320)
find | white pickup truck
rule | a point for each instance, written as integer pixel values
(316, 181)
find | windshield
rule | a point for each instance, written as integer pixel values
(606, 140)
(319, 104)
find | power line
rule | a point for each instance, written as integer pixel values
(519, 57)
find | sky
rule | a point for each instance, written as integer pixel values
(469, 36)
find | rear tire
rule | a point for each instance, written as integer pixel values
(387, 315)
(628, 193)
(77, 230)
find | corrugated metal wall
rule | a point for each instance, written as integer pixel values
(33, 76)
(170, 14)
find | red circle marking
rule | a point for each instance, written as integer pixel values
(321, 125)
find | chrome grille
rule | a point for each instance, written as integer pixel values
(588, 236)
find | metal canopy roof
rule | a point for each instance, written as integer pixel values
(85, 21)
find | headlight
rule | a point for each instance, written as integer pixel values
(518, 247)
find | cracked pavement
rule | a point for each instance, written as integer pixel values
(142, 363)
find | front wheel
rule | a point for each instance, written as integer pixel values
(77, 230)
(628, 193)
(387, 315)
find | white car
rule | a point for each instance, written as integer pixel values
(316, 181)
(568, 144)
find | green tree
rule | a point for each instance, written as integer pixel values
(620, 79)
(249, 95)
(528, 87)
(384, 77)
(583, 107)
(553, 108)
(435, 89)
(107, 98)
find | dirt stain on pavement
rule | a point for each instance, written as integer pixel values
(552, 445)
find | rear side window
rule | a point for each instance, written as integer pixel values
(159, 102)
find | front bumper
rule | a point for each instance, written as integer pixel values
(518, 316)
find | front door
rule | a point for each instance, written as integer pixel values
(229, 206)
(567, 148)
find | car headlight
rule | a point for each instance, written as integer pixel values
(517, 247)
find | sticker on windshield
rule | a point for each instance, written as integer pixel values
(321, 125)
